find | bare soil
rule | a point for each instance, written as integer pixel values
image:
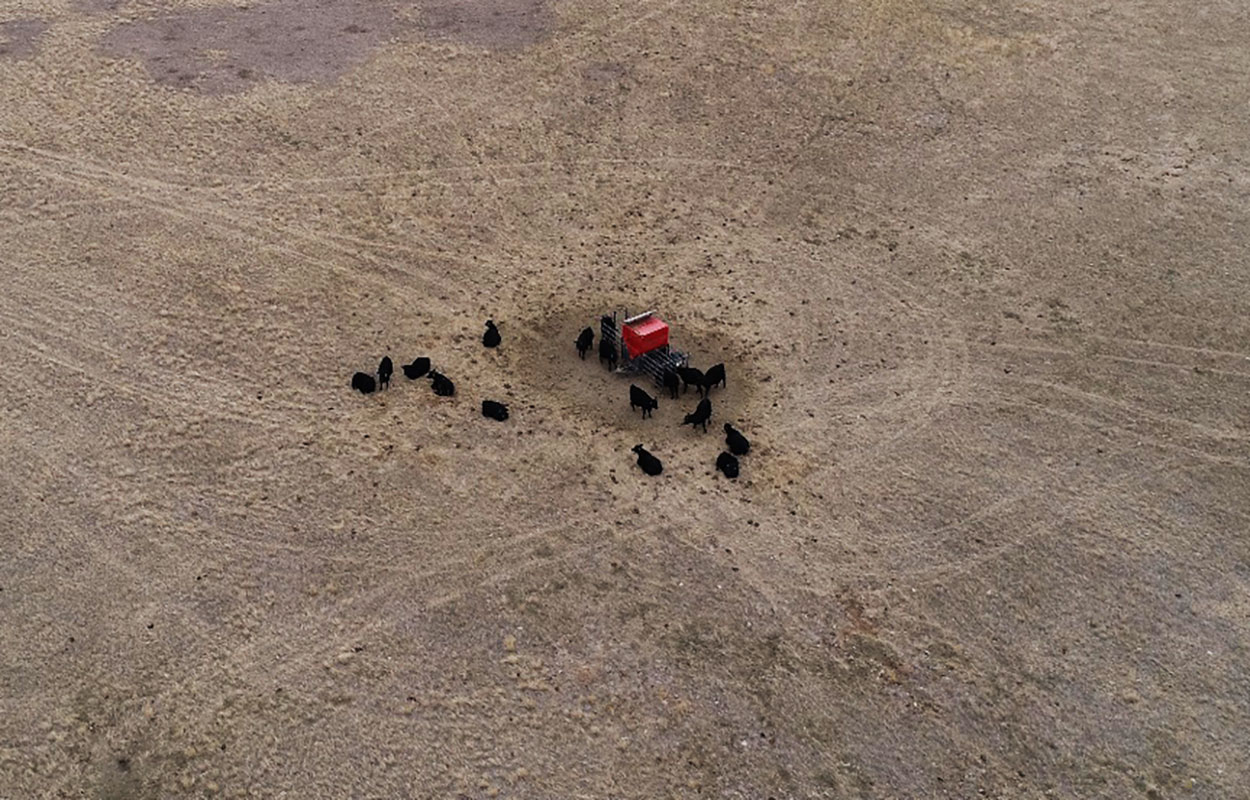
(978, 277)
(228, 48)
(19, 37)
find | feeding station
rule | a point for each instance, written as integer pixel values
(643, 343)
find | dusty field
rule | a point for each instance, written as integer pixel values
(978, 272)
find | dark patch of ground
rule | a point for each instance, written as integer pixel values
(302, 41)
(493, 24)
(19, 37)
(98, 6)
(290, 40)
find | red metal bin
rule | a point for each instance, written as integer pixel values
(644, 333)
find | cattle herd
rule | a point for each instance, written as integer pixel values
(682, 378)
(420, 367)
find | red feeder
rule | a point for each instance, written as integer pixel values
(644, 333)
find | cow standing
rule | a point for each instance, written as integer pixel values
(607, 352)
(670, 381)
(638, 397)
(584, 340)
(690, 377)
(702, 413)
(715, 375)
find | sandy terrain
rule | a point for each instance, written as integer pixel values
(978, 272)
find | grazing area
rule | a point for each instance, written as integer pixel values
(976, 273)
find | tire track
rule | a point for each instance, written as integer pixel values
(1090, 496)
(236, 225)
(95, 343)
(1085, 420)
(1205, 351)
(940, 378)
(1093, 354)
(1130, 409)
(76, 534)
(264, 655)
(552, 166)
(143, 397)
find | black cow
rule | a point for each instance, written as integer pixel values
(649, 463)
(385, 368)
(491, 337)
(738, 444)
(690, 377)
(727, 464)
(495, 411)
(607, 352)
(584, 340)
(418, 368)
(637, 397)
(715, 375)
(702, 413)
(363, 383)
(671, 380)
(443, 387)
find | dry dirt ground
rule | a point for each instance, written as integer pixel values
(978, 272)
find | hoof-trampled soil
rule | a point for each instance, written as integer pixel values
(977, 273)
